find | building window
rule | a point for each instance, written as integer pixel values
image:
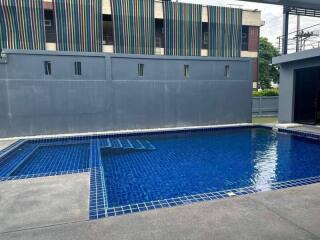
(159, 33)
(140, 70)
(49, 26)
(77, 68)
(245, 38)
(205, 36)
(227, 71)
(186, 71)
(107, 30)
(47, 68)
(48, 23)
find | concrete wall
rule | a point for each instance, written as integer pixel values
(109, 95)
(288, 64)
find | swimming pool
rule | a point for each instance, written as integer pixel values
(133, 173)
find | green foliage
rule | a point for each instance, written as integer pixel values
(266, 93)
(268, 73)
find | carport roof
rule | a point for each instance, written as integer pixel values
(312, 53)
(311, 4)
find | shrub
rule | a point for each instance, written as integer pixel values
(266, 93)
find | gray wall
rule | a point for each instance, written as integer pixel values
(288, 64)
(265, 106)
(110, 96)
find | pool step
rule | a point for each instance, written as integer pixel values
(10, 148)
(123, 143)
(15, 164)
(62, 143)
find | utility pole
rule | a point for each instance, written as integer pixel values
(298, 33)
(279, 44)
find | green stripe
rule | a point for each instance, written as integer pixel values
(78, 25)
(183, 29)
(22, 24)
(133, 24)
(225, 30)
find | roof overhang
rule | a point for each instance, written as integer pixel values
(310, 4)
(299, 56)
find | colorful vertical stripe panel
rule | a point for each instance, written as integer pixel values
(78, 25)
(183, 29)
(134, 26)
(22, 24)
(225, 30)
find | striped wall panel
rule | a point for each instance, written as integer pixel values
(22, 24)
(78, 25)
(225, 29)
(134, 26)
(183, 29)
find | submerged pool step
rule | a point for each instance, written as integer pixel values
(122, 143)
(10, 148)
(21, 158)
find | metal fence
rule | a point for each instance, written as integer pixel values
(265, 106)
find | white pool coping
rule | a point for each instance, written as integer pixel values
(126, 131)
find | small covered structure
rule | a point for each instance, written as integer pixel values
(299, 87)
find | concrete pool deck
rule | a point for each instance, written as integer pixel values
(36, 202)
(284, 214)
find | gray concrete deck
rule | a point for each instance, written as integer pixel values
(33, 203)
(286, 214)
(307, 128)
(7, 143)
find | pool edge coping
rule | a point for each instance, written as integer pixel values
(129, 132)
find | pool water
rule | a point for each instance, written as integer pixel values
(135, 169)
(191, 163)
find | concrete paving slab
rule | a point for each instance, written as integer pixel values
(40, 202)
(301, 206)
(236, 218)
(4, 144)
(306, 128)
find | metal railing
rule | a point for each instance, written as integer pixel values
(265, 106)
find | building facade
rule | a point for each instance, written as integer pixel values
(131, 27)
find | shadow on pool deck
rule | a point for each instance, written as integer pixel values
(286, 214)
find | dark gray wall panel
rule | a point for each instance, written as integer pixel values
(110, 96)
(173, 69)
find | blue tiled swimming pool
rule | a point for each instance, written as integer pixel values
(142, 172)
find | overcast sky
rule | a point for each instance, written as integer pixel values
(271, 14)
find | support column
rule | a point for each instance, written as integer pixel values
(285, 30)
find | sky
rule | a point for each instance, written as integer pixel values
(271, 14)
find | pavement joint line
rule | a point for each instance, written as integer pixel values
(44, 227)
(282, 217)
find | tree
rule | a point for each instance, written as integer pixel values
(268, 73)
